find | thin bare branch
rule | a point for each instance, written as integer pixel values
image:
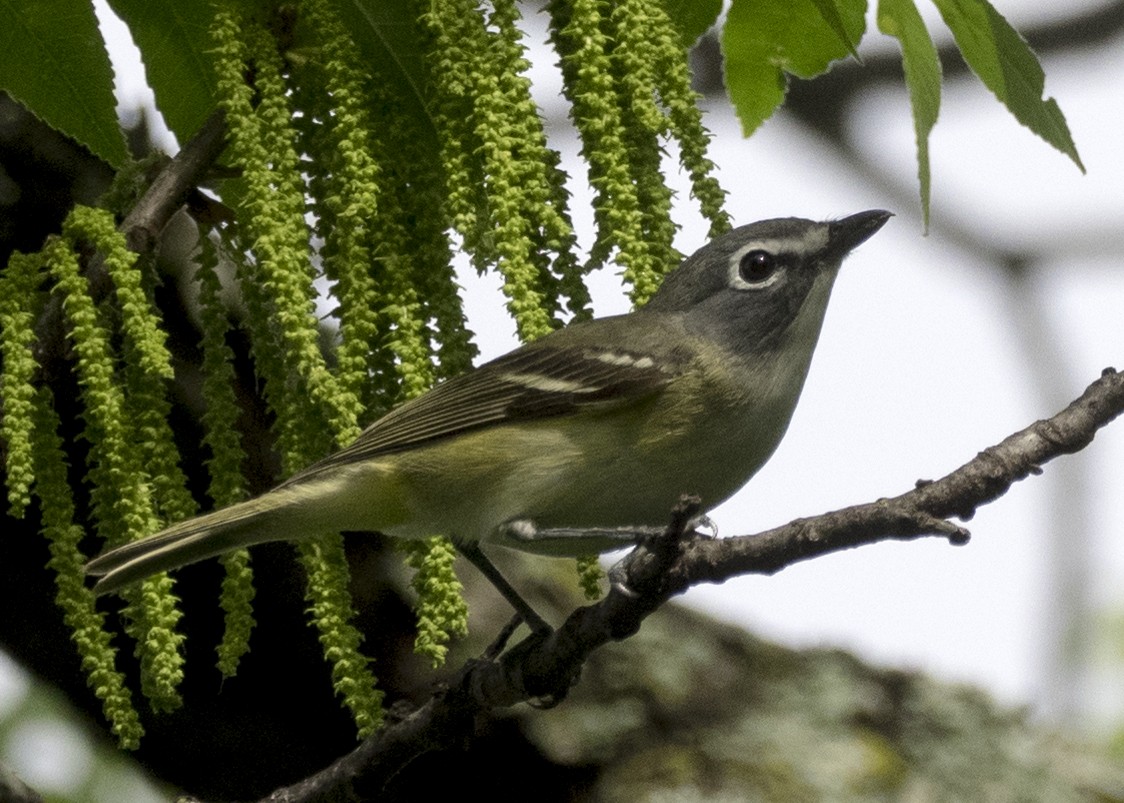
(182, 175)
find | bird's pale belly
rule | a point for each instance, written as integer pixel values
(597, 475)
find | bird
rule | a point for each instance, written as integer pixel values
(579, 442)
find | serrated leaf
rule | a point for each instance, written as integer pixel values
(830, 13)
(692, 18)
(1005, 63)
(53, 61)
(922, 66)
(173, 41)
(765, 39)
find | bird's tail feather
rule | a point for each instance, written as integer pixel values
(256, 521)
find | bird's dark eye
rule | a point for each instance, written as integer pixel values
(757, 265)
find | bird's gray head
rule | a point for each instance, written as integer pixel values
(753, 283)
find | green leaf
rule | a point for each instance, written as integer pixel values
(173, 41)
(830, 13)
(53, 61)
(900, 19)
(386, 31)
(1007, 66)
(693, 18)
(765, 39)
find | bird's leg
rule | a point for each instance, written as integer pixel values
(500, 641)
(478, 559)
(526, 532)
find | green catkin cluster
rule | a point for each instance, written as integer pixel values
(344, 178)
(36, 465)
(121, 501)
(263, 145)
(655, 65)
(147, 363)
(587, 66)
(441, 608)
(314, 412)
(220, 435)
(18, 285)
(626, 76)
(351, 174)
(419, 186)
(91, 638)
(120, 504)
(505, 192)
(376, 254)
(146, 367)
(327, 595)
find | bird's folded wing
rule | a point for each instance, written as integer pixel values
(532, 382)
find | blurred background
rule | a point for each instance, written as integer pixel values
(934, 347)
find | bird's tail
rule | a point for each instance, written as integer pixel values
(272, 517)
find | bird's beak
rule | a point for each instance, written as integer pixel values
(843, 236)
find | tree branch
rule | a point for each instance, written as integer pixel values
(543, 669)
(174, 184)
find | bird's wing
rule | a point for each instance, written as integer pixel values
(539, 380)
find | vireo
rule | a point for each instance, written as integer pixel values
(579, 442)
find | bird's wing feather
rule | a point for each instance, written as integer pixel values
(532, 382)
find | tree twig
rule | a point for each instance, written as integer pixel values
(186, 171)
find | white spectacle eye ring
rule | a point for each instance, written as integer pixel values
(755, 268)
